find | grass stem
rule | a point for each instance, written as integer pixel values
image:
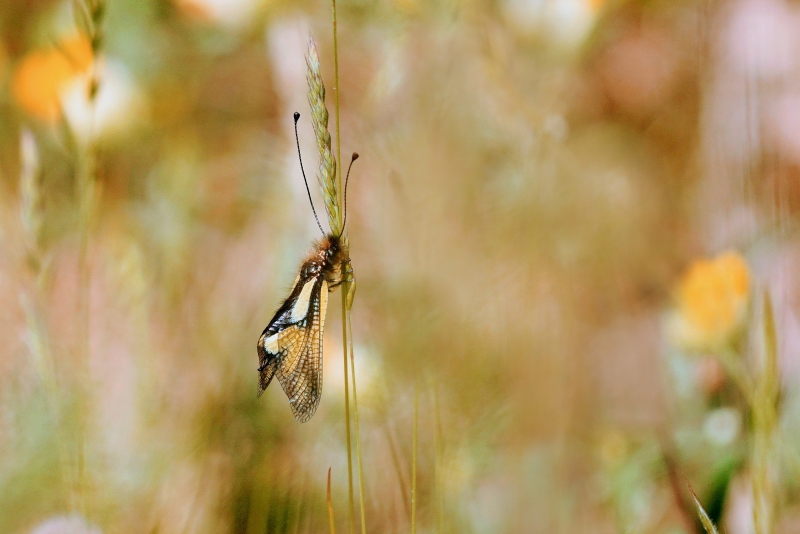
(415, 433)
(358, 433)
(351, 497)
(708, 525)
(765, 419)
(398, 469)
(346, 302)
(331, 521)
(439, 460)
(89, 17)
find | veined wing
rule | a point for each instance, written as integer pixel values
(291, 347)
(300, 370)
(269, 352)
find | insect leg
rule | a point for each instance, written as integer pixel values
(347, 276)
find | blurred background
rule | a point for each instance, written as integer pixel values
(563, 211)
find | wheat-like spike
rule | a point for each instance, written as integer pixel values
(319, 118)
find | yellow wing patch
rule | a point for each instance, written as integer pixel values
(294, 353)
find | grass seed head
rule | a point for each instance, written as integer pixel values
(319, 119)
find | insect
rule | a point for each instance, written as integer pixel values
(290, 347)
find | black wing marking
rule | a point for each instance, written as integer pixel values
(300, 371)
(291, 346)
(268, 359)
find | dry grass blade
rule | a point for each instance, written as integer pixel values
(415, 433)
(769, 379)
(765, 419)
(358, 432)
(331, 521)
(351, 497)
(704, 519)
(89, 17)
(438, 458)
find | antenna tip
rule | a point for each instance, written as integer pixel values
(296, 117)
(355, 156)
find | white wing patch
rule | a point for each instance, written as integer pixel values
(271, 343)
(300, 308)
(291, 347)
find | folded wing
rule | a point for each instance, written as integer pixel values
(291, 347)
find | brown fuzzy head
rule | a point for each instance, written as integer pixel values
(327, 258)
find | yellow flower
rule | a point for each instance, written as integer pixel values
(713, 298)
(41, 76)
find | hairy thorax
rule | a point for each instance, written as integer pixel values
(327, 259)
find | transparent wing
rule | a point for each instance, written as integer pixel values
(269, 351)
(300, 367)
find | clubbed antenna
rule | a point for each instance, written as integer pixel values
(319, 119)
(305, 180)
(346, 181)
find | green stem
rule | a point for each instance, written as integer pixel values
(414, 461)
(764, 409)
(352, 506)
(764, 470)
(345, 292)
(358, 434)
(86, 179)
(331, 522)
(438, 463)
(86, 212)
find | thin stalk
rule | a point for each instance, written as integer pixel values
(765, 419)
(89, 17)
(346, 288)
(331, 522)
(86, 209)
(415, 433)
(439, 451)
(398, 470)
(86, 190)
(301, 501)
(351, 502)
(358, 434)
(708, 525)
(764, 469)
